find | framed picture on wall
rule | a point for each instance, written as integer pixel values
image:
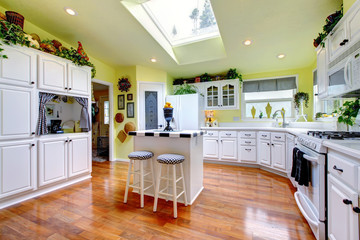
(121, 102)
(130, 110)
(129, 97)
(50, 110)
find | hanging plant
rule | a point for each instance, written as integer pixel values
(301, 96)
(348, 112)
(124, 84)
(233, 74)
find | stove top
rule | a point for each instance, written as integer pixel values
(338, 135)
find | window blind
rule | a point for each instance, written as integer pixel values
(276, 84)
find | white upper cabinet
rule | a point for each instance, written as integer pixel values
(17, 112)
(52, 74)
(79, 79)
(353, 24)
(336, 41)
(19, 68)
(222, 95)
(58, 75)
(18, 169)
(322, 79)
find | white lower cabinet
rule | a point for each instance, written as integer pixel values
(343, 220)
(18, 167)
(247, 145)
(278, 155)
(79, 156)
(264, 152)
(52, 160)
(271, 150)
(228, 149)
(211, 148)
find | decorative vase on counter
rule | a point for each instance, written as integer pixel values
(168, 115)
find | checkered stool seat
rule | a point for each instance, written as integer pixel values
(140, 155)
(170, 159)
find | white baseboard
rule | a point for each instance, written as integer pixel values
(38, 192)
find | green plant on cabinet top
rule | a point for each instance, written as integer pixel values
(185, 89)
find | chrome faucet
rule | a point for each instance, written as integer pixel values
(284, 124)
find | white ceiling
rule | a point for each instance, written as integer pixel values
(111, 34)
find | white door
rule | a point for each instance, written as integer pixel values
(79, 79)
(151, 100)
(79, 156)
(17, 113)
(17, 172)
(343, 221)
(52, 74)
(52, 160)
(278, 155)
(228, 149)
(264, 152)
(211, 148)
(19, 68)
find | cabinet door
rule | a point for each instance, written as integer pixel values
(17, 113)
(211, 148)
(19, 68)
(353, 23)
(52, 160)
(17, 172)
(52, 74)
(212, 100)
(278, 155)
(228, 149)
(79, 79)
(322, 79)
(79, 156)
(337, 37)
(343, 221)
(264, 152)
(228, 95)
(248, 154)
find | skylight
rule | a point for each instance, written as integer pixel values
(183, 21)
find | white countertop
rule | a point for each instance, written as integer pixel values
(294, 131)
(348, 147)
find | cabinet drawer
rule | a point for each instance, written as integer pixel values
(248, 153)
(247, 135)
(248, 142)
(278, 137)
(264, 135)
(347, 170)
(211, 134)
(230, 134)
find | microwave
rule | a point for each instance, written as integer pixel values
(344, 76)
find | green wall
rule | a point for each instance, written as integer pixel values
(347, 4)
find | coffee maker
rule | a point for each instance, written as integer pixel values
(55, 126)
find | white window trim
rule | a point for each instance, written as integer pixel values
(243, 107)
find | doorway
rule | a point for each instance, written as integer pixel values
(102, 111)
(151, 99)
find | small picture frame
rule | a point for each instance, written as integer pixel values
(50, 110)
(130, 110)
(121, 102)
(129, 97)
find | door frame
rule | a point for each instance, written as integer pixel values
(139, 84)
(111, 122)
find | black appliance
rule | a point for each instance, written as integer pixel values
(55, 126)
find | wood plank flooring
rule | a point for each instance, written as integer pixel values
(237, 203)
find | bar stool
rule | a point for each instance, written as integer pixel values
(140, 156)
(174, 160)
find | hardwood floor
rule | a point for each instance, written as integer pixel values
(237, 203)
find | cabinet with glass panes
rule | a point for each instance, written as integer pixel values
(222, 95)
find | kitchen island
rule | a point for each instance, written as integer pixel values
(187, 143)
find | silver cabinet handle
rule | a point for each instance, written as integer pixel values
(264, 135)
(247, 142)
(248, 135)
(277, 137)
(210, 134)
(248, 149)
(228, 134)
(338, 169)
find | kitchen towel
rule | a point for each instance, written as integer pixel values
(301, 168)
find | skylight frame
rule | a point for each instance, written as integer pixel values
(184, 40)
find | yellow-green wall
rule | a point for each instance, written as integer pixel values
(347, 4)
(305, 84)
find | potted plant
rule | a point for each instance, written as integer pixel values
(185, 89)
(348, 112)
(205, 78)
(301, 97)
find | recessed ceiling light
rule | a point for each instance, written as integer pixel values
(70, 11)
(153, 60)
(247, 42)
(280, 56)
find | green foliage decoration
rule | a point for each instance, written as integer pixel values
(13, 34)
(205, 77)
(301, 96)
(185, 89)
(348, 112)
(233, 74)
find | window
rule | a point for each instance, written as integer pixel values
(106, 112)
(277, 92)
(183, 21)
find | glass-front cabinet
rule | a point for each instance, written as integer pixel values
(222, 94)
